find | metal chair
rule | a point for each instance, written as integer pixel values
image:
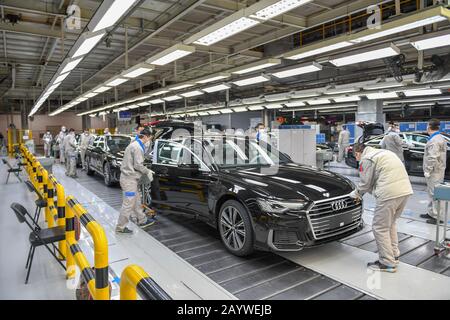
(39, 202)
(39, 237)
(15, 171)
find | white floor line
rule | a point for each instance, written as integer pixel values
(347, 264)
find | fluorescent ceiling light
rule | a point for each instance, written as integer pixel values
(256, 107)
(81, 99)
(172, 98)
(212, 78)
(159, 92)
(294, 104)
(137, 71)
(318, 102)
(384, 85)
(194, 93)
(240, 109)
(134, 106)
(369, 54)
(116, 82)
(181, 86)
(216, 88)
(111, 14)
(305, 53)
(250, 81)
(61, 78)
(302, 69)
(277, 97)
(381, 95)
(226, 31)
(274, 106)
(418, 93)
(192, 114)
(71, 65)
(340, 90)
(305, 94)
(259, 65)
(53, 87)
(171, 54)
(143, 104)
(203, 113)
(213, 112)
(101, 89)
(434, 40)
(156, 101)
(91, 94)
(279, 7)
(89, 41)
(346, 99)
(226, 111)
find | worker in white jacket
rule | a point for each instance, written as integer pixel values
(85, 140)
(47, 138)
(384, 176)
(131, 171)
(434, 165)
(60, 141)
(393, 142)
(343, 142)
(70, 147)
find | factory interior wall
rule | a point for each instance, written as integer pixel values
(237, 120)
(5, 121)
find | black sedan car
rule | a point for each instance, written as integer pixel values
(255, 196)
(104, 156)
(413, 151)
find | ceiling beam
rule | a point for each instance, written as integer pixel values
(30, 29)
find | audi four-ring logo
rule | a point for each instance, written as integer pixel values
(339, 205)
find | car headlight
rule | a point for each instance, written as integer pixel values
(275, 206)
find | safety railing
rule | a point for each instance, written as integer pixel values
(134, 280)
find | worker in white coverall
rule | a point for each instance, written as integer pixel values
(434, 164)
(106, 132)
(393, 142)
(131, 171)
(70, 147)
(343, 142)
(384, 176)
(60, 141)
(85, 140)
(47, 138)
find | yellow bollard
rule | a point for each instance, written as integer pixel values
(61, 209)
(134, 279)
(70, 237)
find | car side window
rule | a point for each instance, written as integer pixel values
(175, 154)
(417, 138)
(101, 143)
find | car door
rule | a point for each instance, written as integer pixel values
(415, 152)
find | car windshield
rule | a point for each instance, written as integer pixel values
(229, 152)
(117, 143)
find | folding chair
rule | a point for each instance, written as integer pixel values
(39, 202)
(15, 171)
(39, 237)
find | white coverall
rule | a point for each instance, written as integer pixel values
(84, 143)
(393, 142)
(47, 138)
(434, 164)
(343, 143)
(384, 176)
(70, 146)
(60, 142)
(131, 171)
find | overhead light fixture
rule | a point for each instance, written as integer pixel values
(89, 41)
(240, 109)
(226, 31)
(110, 12)
(137, 70)
(70, 65)
(159, 92)
(259, 65)
(301, 69)
(369, 54)
(294, 104)
(277, 8)
(156, 101)
(194, 93)
(418, 93)
(274, 106)
(101, 89)
(317, 102)
(213, 112)
(212, 78)
(346, 99)
(117, 81)
(383, 85)
(216, 88)
(277, 96)
(143, 104)
(430, 41)
(134, 106)
(341, 89)
(381, 95)
(53, 87)
(226, 111)
(91, 94)
(203, 113)
(61, 78)
(251, 81)
(256, 107)
(181, 86)
(81, 99)
(171, 54)
(172, 98)
(315, 49)
(305, 93)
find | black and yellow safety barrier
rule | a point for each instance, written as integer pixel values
(134, 280)
(101, 291)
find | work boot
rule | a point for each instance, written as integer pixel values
(124, 230)
(433, 221)
(147, 223)
(426, 216)
(378, 266)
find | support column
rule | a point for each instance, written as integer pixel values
(369, 110)
(24, 115)
(86, 122)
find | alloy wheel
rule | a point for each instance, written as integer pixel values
(233, 228)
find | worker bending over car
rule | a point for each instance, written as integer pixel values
(383, 175)
(132, 170)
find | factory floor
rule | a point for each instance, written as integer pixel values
(198, 268)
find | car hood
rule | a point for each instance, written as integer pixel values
(293, 181)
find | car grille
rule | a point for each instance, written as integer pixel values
(330, 218)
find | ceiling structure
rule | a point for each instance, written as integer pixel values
(33, 48)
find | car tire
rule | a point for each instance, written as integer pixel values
(89, 171)
(235, 228)
(107, 175)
